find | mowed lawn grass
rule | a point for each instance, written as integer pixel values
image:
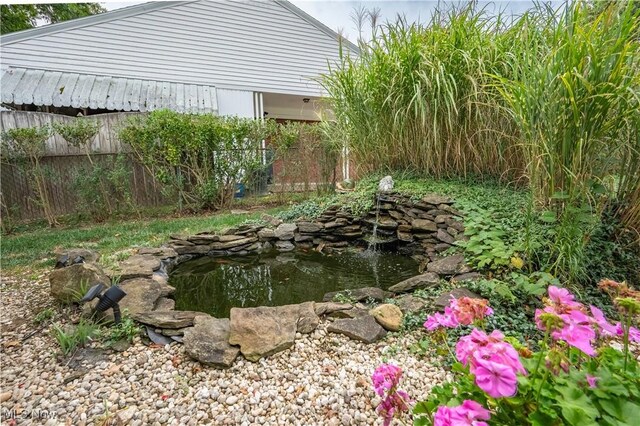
(34, 249)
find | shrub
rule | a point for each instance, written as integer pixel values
(201, 157)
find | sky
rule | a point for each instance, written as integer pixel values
(336, 14)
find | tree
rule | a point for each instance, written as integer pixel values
(18, 17)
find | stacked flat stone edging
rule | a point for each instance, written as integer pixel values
(422, 229)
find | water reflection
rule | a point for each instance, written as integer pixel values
(214, 285)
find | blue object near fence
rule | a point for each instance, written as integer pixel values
(239, 190)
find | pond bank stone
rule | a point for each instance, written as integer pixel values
(409, 303)
(73, 256)
(365, 328)
(208, 342)
(67, 283)
(138, 266)
(388, 316)
(167, 319)
(419, 281)
(444, 299)
(326, 308)
(359, 294)
(265, 330)
(285, 231)
(449, 265)
(142, 295)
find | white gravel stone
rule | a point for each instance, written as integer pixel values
(324, 379)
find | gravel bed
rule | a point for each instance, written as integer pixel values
(324, 379)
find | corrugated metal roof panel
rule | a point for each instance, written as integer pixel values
(22, 86)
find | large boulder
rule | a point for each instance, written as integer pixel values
(450, 265)
(359, 294)
(364, 328)
(77, 255)
(388, 316)
(68, 284)
(263, 331)
(167, 319)
(208, 342)
(419, 281)
(143, 295)
(285, 231)
(138, 266)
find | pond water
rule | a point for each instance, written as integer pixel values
(215, 285)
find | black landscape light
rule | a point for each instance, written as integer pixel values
(109, 299)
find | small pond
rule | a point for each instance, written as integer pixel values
(215, 285)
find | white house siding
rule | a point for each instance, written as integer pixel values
(245, 45)
(236, 102)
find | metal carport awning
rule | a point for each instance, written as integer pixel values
(22, 86)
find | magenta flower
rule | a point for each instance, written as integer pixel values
(438, 320)
(395, 404)
(468, 344)
(562, 299)
(577, 331)
(497, 380)
(466, 414)
(442, 417)
(385, 378)
(502, 353)
(464, 310)
(634, 335)
(605, 327)
(592, 381)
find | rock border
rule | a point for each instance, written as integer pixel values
(423, 229)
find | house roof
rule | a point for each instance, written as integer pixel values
(63, 89)
(146, 7)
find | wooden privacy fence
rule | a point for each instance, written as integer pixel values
(106, 142)
(65, 163)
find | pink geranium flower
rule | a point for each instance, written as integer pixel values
(605, 327)
(385, 378)
(467, 414)
(464, 310)
(438, 320)
(468, 344)
(496, 379)
(562, 300)
(591, 380)
(395, 404)
(634, 335)
(577, 331)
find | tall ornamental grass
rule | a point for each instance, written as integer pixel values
(417, 98)
(550, 100)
